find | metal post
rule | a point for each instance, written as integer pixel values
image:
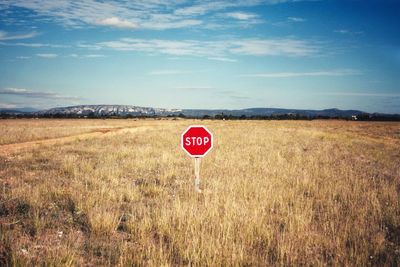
(197, 174)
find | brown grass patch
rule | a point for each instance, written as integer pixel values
(275, 193)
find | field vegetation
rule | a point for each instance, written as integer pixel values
(24, 130)
(275, 193)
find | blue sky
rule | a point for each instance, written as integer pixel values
(201, 54)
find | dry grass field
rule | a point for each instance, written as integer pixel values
(275, 193)
(16, 131)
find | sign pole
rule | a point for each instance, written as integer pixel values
(197, 161)
(197, 141)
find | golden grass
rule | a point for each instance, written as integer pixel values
(275, 193)
(23, 130)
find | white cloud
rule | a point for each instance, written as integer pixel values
(14, 91)
(296, 19)
(147, 14)
(344, 72)
(160, 25)
(361, 94)
(216, 49)
(94, 56)
(170, 72)
(23, 57)
(241, 15)
(47, 55)
(204, 8)
(348, 32)
(7, 105)
(171, 47)
(37, 45)
(88, 46)
(73, 55)
(4, 36)
(273, 47)
(117, 22)
(225, 59)
(35, 94)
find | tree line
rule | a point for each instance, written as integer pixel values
(222, 116)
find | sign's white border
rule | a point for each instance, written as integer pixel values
(212, 141)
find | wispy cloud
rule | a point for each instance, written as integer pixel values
(117, 22)
(224, 59)
(171, 24)
(38, 45)
(204, 8)
(236, 19)
(35, 94)
(171, 72)
(4, 36)
(73, 55)
(241, 15)
(171, 47)
(35, 45)
(93, 56)
(274, 47)
(296, 19)
(23, 57)
(7, 105)
(343, 72)
(365, 94)
(289, 21)
(47, 55)
(348, 32)
(88, 46)
(216, 49)
(154, 14)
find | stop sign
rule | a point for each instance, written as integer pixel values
(197, 141)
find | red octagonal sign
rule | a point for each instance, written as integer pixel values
(197, 141)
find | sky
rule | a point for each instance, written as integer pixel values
(201, 54)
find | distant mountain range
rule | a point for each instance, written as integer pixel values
(17, 110)
(272, 111)
(109, 110)
(135, 111)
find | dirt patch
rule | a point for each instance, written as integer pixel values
(7, 150)
(14, 207)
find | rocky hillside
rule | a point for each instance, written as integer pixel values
(97, 111)
(108, 110)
